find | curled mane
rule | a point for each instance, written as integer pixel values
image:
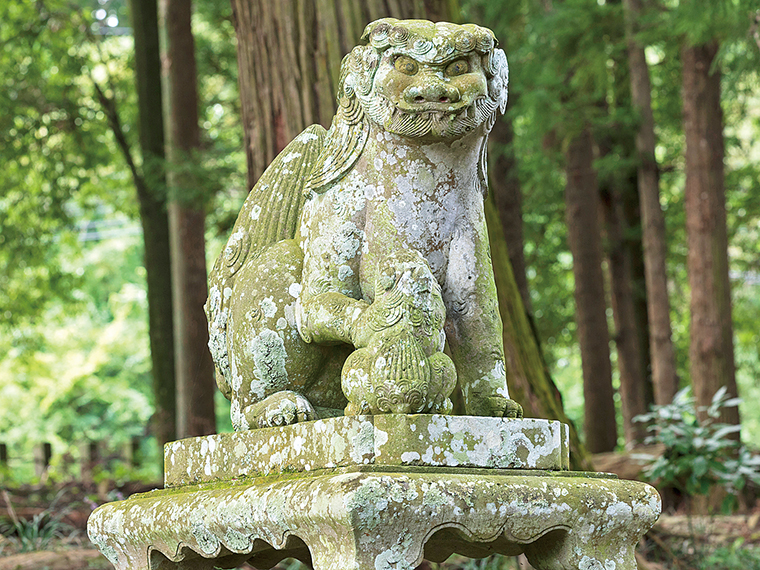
(425, 41)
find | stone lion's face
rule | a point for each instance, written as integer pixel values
(428, 100)
(426, 80)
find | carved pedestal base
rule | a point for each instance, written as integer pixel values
(378, 516)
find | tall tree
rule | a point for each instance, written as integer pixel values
(309, 42)
(505, 188)
(195, 370)
(631, 364)
(712, 346)
(664, 375)
(582, 206)
(621, 223)
(151, 194)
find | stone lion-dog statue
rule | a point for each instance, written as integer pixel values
(358, 274)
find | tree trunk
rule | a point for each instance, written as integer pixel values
(527, 374)
(582, 204)
(505, 188)
(618, 191)
(289, 56)
(712, 348)
(151, 194)
(195, 370)
(633, 400)
(664, 375)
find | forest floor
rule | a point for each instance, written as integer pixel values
(44, 528)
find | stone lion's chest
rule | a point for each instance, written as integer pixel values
(403, 202)
(394, 198)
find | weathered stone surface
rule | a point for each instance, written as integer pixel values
(358, 278)
(380, 521)
(362, 252)
(391, 440)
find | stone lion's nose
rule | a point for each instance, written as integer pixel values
(432, 91)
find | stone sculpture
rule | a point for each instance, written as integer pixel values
(359, 266)
(360, 255)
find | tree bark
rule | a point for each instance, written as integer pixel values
(664, 375)
(505, 188)
(582, 205)
(633, 397)
(151, 194)
(195, 370)
(618, 191)
(289, 56)
(712, 348)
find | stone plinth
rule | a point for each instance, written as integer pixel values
(372, 506)
(392, 440)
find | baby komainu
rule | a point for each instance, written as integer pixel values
(358, 273)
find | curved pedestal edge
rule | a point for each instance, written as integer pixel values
(381, 521)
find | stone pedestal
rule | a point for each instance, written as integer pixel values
(375, 493)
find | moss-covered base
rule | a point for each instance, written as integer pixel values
(396, 440)
(378, 520)
(378, 493)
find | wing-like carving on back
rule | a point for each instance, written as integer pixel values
(273, 206)
(343, 146)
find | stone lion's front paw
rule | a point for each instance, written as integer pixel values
(513, 410)
(494, 406)
(280, 409)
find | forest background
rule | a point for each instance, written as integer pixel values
(75, 353)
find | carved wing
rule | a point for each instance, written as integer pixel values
(271, 211)
(269, 214)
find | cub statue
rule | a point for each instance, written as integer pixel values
(358, 274)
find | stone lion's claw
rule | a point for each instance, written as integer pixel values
(280, 409)
(514, 410)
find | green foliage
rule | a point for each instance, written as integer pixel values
(699, 454)
(47, 116)
(74, 354)
(82, 375)
(38, 533)
(734, 557)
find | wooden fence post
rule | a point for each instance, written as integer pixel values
(89, 453)
(42, 454)
(131, 453)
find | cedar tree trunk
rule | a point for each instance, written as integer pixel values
(712, 348)
(664, 375)
(151, 194)
(505, 188)
(633, 397)
(195, 370)
(582, 205)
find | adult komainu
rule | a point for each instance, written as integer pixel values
(358, 273)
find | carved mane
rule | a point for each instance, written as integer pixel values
(423, 40)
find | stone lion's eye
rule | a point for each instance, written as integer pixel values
(457, 67)
(405, 65)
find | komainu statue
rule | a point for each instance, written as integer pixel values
(358, 274)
